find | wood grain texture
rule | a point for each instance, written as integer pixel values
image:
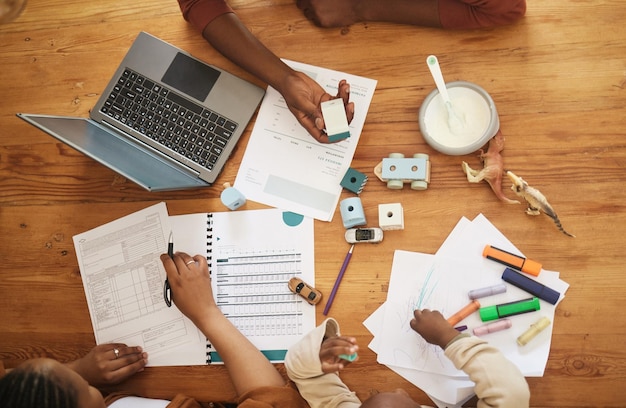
(558, 79)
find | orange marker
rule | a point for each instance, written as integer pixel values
(511, 260)
(473, 306)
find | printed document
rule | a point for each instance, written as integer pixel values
(285, 167)
(123, 279)
(252, 255)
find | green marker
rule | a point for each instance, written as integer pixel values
(509, 309)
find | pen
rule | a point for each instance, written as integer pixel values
(509, 309)
(533, 331)
(167, 290)
(511, 260)
(338, 281)
(488, 291)
(473, 306)
(531, 286)
(501, 324)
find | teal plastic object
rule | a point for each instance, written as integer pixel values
(349, 357)
(354, 181)
(232, 198)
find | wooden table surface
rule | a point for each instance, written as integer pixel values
(558, 79)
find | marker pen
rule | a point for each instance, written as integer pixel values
(533, 331)
(463, 313)
(531, 286)
(511, 260)
(493, 327)
(488, 291)
(509, 309)
(460, 328)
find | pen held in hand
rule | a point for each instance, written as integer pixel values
(346, 261)
(167, 290)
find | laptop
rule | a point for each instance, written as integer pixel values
(166, 120)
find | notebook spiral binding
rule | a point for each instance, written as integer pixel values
(209, 241)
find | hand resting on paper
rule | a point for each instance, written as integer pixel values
(332, 348)
(433, 327)
(103, 366)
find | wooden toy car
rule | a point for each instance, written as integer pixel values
(397, 170)
(308, 292)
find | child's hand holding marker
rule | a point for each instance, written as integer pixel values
(433, 327)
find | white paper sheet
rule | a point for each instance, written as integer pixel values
(252, 256)
(284, 167)
(445, 392)
(441, 282)
(123, 279)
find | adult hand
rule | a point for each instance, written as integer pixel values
(103, 366)
(433, 327)
(331, 349)
(191, 285)
(304, 96)
(331, 13)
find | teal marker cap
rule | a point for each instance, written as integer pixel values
(349, 357)
(508, 309)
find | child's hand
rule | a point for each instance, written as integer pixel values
(433, 327)
(332, 348)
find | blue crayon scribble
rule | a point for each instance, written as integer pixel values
(426, 292)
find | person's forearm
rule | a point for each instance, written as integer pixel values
(248, 368)
(231, 38)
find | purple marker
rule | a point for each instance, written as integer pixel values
(488, 291)
(461, 328)
(501, 324)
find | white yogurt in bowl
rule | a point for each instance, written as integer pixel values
(476, 111)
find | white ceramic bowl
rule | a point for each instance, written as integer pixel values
(473, 105)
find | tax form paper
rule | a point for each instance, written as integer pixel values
(123, 279)
(285, 167)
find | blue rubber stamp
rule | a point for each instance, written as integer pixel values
(231, 197)
(354, 181)
(352, 212)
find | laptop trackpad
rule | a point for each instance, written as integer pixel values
(116, 153)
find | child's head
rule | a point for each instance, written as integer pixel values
(397, 399)
(46, 383)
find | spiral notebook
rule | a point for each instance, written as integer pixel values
(252, 255)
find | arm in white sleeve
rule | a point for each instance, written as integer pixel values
(499, 383)
(304, 368)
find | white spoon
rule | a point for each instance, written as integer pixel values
(455, 123)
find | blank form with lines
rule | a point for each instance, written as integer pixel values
(123, 281)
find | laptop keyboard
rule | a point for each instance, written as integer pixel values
(164, 116)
